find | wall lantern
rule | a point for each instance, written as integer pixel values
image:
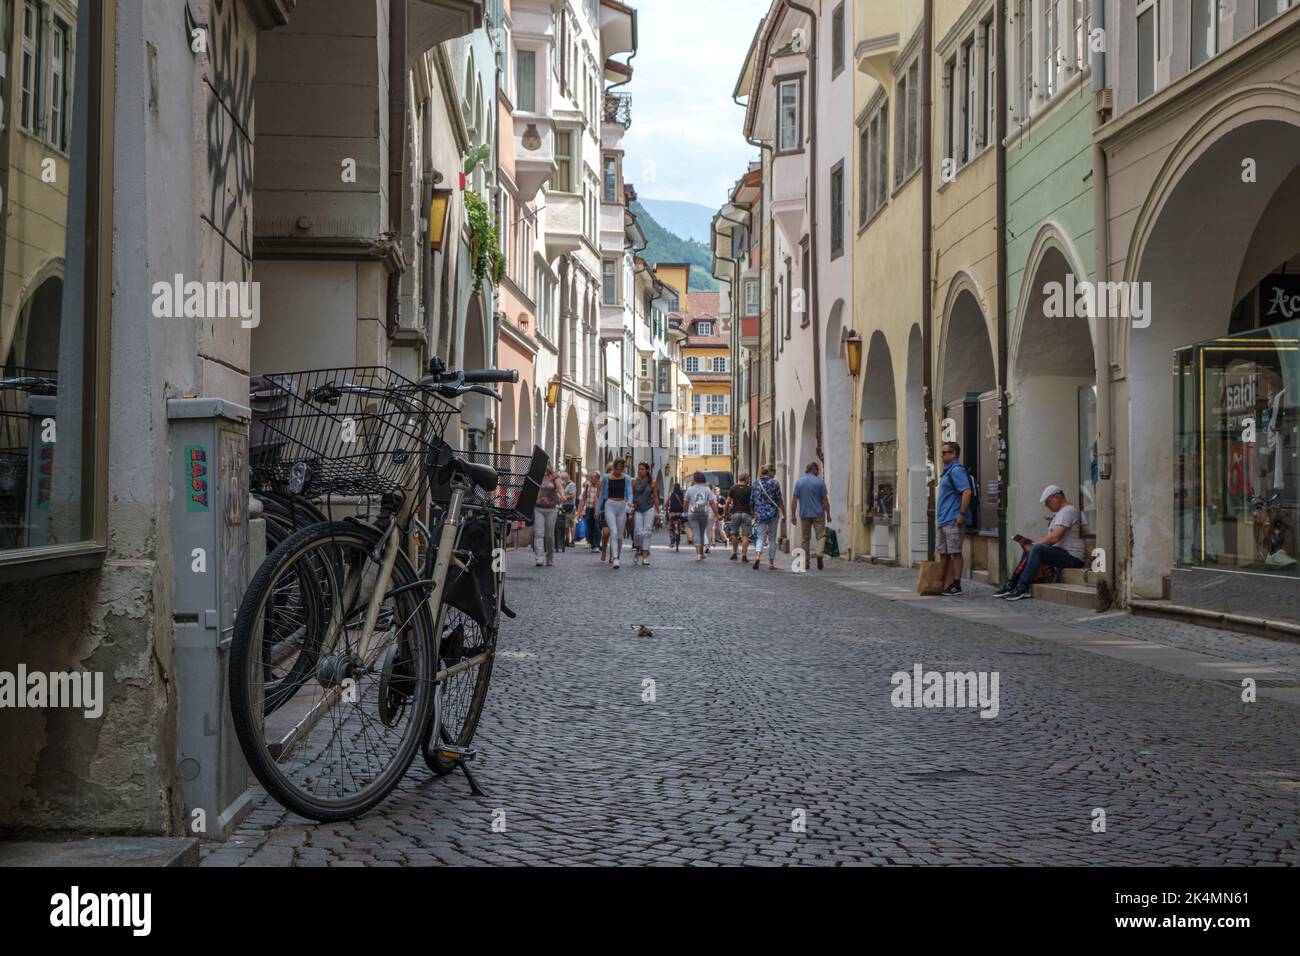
(853, 353)
(439, 213)
(553, 393)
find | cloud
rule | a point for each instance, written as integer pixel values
(686, 130)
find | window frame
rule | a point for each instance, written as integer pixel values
(704, 328)
(519, 74)
(691, 364)
(1216, 20)
(98, 59)
(609, 175)
(56, 133)
(1142, 8)
(838, 40)
(836, 223)
(565, 162)
(756, 309)
(718, 365)
(609, 282)
(780, 82)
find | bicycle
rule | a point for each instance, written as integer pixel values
(675, 531)
(390, 645)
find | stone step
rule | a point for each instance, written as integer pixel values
(1080, 576)
(1071, 595)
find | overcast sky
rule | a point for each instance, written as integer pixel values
(685, 142)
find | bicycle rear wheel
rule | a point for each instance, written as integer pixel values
(344, 734)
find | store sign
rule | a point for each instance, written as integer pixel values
(1279, 298)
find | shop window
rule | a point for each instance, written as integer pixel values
(53, 326)
(1237, 452)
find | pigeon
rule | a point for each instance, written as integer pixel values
(644, 631)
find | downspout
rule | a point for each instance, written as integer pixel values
(927, 322)
(1101, 269)
(812, 220)
(1004, 451)
(396, 147)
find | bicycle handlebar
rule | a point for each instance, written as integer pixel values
(488, 375)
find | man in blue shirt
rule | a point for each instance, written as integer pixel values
(955, 492)
(811, 502)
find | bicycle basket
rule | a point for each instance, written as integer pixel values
(518, 478)
(348, 431)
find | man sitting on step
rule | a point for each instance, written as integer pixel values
(1061, 547)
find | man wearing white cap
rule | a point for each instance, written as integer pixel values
(1061, 547)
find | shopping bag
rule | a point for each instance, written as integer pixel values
(929, 580)
(832, 546)
(580, 530)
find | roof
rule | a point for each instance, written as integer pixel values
(702, 304)
(722, 378)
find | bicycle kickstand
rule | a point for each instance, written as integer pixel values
(461, 756)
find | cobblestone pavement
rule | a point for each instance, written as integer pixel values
(772, 703)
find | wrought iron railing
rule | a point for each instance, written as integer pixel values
(618, 109)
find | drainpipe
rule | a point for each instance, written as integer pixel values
(927, 295)
(1004, 447)
(812, 220)
(396, 146)
(1101, 270)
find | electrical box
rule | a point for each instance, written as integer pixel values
(211, 550)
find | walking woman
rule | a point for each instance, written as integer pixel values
(702, 509)
(769, 512)
(550, 496)
(591, 495)
(615, 496)
(646, 498)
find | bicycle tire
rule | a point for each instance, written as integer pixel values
(247, 659)
(468, 725)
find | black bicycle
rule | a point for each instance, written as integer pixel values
(389, 647)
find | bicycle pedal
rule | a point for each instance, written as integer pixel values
(457, 755)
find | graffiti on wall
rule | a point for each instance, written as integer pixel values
(229, 78)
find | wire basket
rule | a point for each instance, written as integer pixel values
(518, 478)
(16, 426)
(346, 431)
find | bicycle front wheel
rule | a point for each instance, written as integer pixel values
(465, 655)
(342, 737)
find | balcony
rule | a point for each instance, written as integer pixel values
(534, 153)
(618, 109)
(563, 224)
(749, 332)
(790, 195)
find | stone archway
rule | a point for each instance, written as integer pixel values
(878, 416)
(475, 413)
(1052, 389)
(1203, 240)
(915, 496)
(838, 407)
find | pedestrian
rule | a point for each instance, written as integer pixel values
(955, 493)
(591, 495)
(600, 516)
(615, 496)
(702, 508)
(570, 509)
(740, 508)
(676, 512)
(646, 501)
(810, 499)
(1061, 547)
(719, 535)
(550, 495)
(769, 512)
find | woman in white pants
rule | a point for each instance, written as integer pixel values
(645, 498)
(615, 496)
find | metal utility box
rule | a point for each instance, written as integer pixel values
(211, 549)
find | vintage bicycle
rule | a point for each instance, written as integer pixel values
(365, 639)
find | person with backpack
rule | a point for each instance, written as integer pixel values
(740, 510)
(615, 497)
(955, 493)
(769, 512)
(702, 510)
(550, 495)
(1061, 547)
(676, 514)
(645, 498)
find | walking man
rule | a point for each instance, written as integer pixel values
(955, 493)
(740, 506)
(769, 512)
(811, 501)
(702, 509)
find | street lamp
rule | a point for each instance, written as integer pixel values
(439, 213)
(853, 353)
(552, 393)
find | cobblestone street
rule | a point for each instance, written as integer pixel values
(772, 696)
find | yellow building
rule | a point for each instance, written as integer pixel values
(706, 360)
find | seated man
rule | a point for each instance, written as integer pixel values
(1061, 547)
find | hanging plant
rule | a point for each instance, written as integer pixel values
(484, 243)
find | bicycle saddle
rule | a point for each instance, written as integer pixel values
(485, 476)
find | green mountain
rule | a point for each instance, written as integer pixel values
(664, 246)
